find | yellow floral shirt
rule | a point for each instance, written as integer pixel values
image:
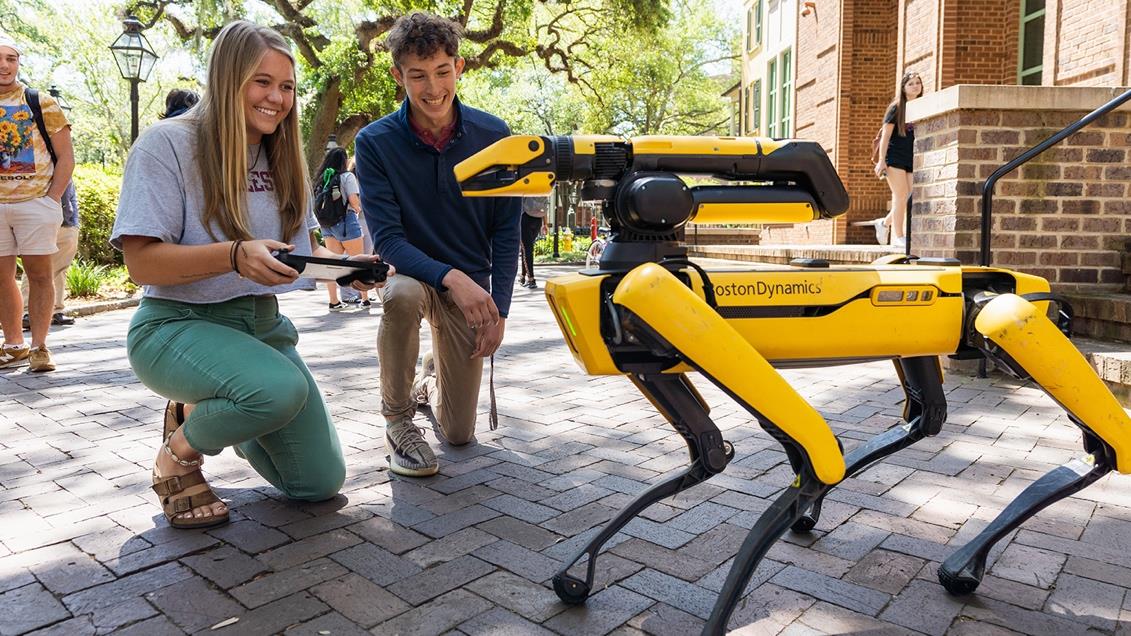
(25, 164)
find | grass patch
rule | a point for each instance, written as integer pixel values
(84, 279)
(99, 282)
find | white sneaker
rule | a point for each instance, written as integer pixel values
(409, 454)
(899, 242)
(881, 229)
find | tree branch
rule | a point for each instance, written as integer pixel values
(484, 59)
(370, 30)
(495, 29)
(292, 13)
(465, 13)
(305, 48)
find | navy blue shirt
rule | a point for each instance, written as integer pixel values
(420, 221)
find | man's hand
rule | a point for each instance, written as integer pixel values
(488, 339)
(478, 307)
(370, 258)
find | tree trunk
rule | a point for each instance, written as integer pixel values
(327, 103)
(352, 125)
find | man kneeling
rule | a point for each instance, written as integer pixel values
(448, 250)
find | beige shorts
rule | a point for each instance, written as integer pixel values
(28, 228)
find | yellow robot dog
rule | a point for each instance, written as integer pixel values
(651, 314)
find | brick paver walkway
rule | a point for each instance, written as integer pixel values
(83, 548)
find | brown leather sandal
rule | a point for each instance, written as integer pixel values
(176, 501)
(174, 417)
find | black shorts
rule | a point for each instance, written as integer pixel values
(898, 163)
(900, 153)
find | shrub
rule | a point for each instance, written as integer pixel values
(116, 281)
(97, 190)
(85, 278)
(544, 250)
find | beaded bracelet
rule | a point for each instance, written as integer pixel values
(233, 256)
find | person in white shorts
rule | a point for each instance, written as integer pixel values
(32, 182)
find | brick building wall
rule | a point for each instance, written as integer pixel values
(815, 98)
(1090, 39)
(815, 89)
(1064, 216)
(842, 110)
(985, 44)
(869, 88)
(918, 40)
(851, 53)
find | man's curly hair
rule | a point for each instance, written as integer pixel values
(422, 34)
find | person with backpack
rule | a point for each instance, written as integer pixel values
(893, 156)
(533, 218)
(36, 162)
(337, 206)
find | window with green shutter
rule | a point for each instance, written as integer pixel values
(1031, 42)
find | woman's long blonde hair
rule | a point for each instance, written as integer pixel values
(221, 137)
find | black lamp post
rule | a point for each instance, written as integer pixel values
(135, 58)
(54, 91)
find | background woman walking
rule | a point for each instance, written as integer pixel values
(896, 151)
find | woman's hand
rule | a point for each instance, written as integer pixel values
(369, 258)
(255, 263)
(881, 169)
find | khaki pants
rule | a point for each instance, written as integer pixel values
(454, 392)
(67, 241)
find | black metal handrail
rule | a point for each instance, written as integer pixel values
(988, 186)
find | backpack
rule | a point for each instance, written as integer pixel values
(329, 202)
(31, 96)
(876, 145)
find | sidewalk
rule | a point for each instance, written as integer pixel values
(84, 549)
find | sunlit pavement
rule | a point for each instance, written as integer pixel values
(84, 549)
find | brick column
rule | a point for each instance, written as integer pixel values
(1063, 216)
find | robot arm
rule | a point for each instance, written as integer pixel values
(797, 181)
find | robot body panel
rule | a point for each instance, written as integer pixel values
(708, 343)
(793, 315)
(576, 303)
(735, 212)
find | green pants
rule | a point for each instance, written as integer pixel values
(236, 361)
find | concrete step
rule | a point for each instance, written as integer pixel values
(1101, 316)
(1112, 361)
(783, 254)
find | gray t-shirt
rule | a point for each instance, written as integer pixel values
(349, 185)
(162, 198)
